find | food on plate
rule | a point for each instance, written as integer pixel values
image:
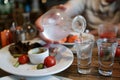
(37, 55)
(23, 59)
(40, 66)
(49, 61)
(69, 39)
(19, 48)
(74, 36)
(16, 64)
(39, 51)
(63, 40)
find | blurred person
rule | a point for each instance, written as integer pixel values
(96, 12)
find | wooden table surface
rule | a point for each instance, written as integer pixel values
(72, 73)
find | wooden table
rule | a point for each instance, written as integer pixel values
(72, 73)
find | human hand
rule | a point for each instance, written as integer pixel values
(41, 29)
(61, 7)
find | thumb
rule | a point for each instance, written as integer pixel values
(61, 7)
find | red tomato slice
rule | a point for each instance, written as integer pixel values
(49, 61)
(117, 54)
(23, 59)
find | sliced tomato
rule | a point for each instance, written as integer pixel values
(23, 59)
(49, 61)
(72, 38)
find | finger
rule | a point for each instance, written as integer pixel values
(62, 7)
(56, 42)
(45, 39)
(48, 41)
(38, 25)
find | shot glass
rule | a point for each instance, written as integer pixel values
(106, 53)
(84, 55)
(107, 31)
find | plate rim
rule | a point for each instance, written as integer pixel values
(35, 75)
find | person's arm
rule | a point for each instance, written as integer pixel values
(74, 7)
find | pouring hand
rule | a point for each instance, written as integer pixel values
(38, 25)
(40, 29)
(61, 7)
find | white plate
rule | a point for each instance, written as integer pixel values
(84, 35)
(51, 77)
(64, 59)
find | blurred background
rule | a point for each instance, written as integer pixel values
(17, 18)
(13, 9)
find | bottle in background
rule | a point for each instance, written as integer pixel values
(29, 28)
(18, 33)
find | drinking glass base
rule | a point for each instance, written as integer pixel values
(84, 71)
(105, 73)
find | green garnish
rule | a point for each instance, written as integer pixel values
(16, 64)
(40, 66)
